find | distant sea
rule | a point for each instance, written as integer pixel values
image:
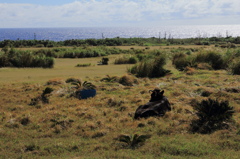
(61, 34)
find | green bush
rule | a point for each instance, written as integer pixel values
(150, 68)
(4, 61)
(235, 67)
(214, 59)
(126, 60)
(142, 69)
(25, 59)
(212, 115)
(180, 61)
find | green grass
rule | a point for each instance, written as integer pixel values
(71, 128)
(63, 68)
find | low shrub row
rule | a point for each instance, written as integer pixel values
(123, 41)
(15, 58)
(208, 59)
(81, 52)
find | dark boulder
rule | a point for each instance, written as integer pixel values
(157, 106)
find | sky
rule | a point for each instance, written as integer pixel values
(117, 13)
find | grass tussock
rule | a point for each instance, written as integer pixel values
(150, 68)
(126, 60)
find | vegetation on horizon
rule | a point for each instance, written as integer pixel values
(153, 41)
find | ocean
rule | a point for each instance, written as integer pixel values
(61, 34)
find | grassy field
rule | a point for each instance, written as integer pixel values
(67, 127)
(63, 68)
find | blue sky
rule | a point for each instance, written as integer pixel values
(95, 13)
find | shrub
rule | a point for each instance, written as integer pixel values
(235, 67)
(180, 61)
(126, 60)
(128, 80)
(150, 68)
(104, 61)
(212, 115)
(25, 59)
(4, 61)
(142, 69)
(133, 60)
(216, 60)
(213, 59)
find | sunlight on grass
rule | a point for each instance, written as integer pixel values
(63, 68)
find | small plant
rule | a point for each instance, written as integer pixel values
(85, 85)
(133, 141)
(83, 65)
(104, 61)
(212, 115)
(84, 90)
(110, 79)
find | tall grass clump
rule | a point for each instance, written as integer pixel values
(126, 60)
(212, 115)
(180, 61)
(214, 59)
(4, 62)
(15, 58)
(235, 67)
(150, 68)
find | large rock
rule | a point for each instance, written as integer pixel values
(157, 106)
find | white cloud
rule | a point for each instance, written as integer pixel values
(117, 13)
